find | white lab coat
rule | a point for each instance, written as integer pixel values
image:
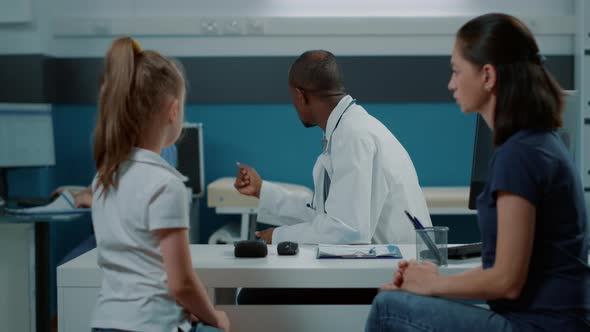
(373, 181)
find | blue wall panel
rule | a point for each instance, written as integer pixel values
(269, 137)
(438, 137)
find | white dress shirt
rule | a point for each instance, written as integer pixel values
(372, 182)
(134, 295)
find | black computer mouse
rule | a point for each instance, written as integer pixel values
(250, 248)
(288, 248)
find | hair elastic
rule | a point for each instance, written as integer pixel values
(136, 46)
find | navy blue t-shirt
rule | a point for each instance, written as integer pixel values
(537, 167)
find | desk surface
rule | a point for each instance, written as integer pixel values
(218, 268)
(34, 218)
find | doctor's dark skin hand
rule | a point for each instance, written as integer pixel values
(248, 182)
(266, 235)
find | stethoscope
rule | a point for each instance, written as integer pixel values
(325, 144)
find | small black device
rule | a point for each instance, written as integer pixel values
(250, 248)
(287, 248)
(27, 202)
(465, 251)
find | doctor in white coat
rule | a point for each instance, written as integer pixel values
(364, 179)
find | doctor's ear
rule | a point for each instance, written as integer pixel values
(301, 95)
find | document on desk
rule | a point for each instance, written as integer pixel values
(63, 205)
(358, 251)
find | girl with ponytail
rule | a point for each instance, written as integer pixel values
(139, 205)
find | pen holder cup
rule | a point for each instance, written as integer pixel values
(431, 245)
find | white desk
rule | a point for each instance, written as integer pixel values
(79, 283)
(222, 196)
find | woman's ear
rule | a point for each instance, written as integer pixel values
(489, 77)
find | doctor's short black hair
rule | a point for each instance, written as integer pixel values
(318, 73)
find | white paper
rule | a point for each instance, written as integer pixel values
(64, 204)
(358, 251)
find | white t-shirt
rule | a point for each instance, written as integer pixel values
(134, 294)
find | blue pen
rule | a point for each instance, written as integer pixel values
(412, 220)
(418, 223)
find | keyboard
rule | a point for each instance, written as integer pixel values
(27, 202)
(465, 251)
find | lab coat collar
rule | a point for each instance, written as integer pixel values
(336, 113)
(149, 157)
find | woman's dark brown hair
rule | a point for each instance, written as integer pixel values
(135, 85)
(527, 95)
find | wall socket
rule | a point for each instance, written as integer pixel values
(209, 27)
(233, 26)
(254, 26)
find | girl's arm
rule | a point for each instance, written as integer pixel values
(504, 280)
(183, 282)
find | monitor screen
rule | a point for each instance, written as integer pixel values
(26, 135)
(190, 157)
(483, 149)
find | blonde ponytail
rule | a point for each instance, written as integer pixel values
(133, 86)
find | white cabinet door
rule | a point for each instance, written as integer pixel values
(75, 308)
(17, 277)
(15, 11)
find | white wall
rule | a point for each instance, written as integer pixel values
(307, 8)
(24, 26)
(15, 11)
(72, 28)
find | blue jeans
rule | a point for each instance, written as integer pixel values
(199, 327)
(402, 311)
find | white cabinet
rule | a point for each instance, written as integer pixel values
(15, 11)
(17, 277)
(76, 304)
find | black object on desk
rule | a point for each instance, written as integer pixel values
(250, 248)
(287, 248)
(27, 202)
(465, 251)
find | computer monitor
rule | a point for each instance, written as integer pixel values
(26, 138)
(190, 157)
(483, 147)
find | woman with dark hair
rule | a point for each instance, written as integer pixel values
(531, 213)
